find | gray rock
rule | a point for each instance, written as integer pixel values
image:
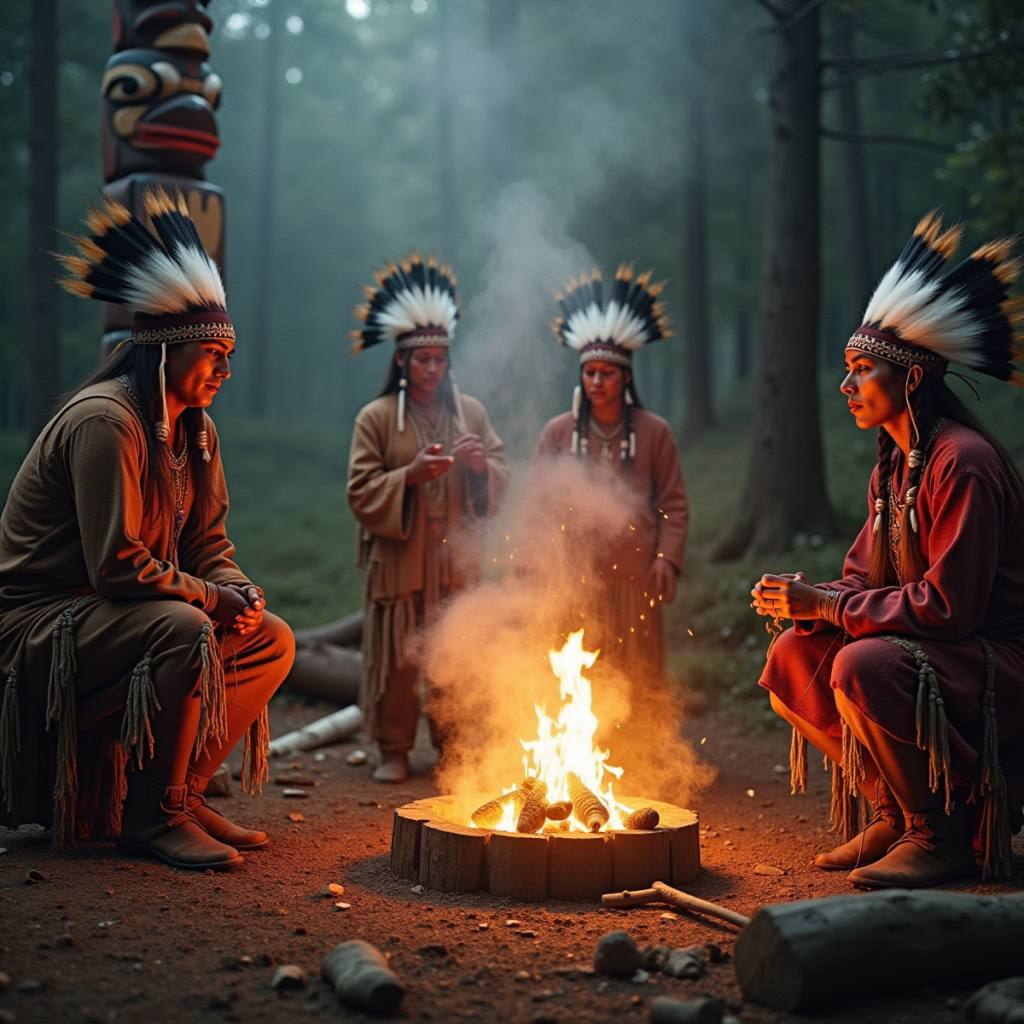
(684, 963)
(29, 988)
(8, 1017)
(5, 981)
(697, 1011)
(361, 978)
(220, 782)
(617, 954)
(1001, 1002)
(288, 976)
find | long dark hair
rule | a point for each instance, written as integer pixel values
(628, 391)
(397, 371)
(141, 364)
(931, 401)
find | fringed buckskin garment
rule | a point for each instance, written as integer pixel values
(97, 601)
(632, 631)
(943, 657)
(417, 545)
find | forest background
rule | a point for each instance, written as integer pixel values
(525, 140)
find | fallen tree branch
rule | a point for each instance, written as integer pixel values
(662, 893)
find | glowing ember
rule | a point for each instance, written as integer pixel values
(566, 744)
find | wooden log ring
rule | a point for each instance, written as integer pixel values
(429, 843)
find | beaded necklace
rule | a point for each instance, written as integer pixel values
(605, 438)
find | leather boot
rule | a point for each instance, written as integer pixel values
(935, 848)
(156, 823)
(393, 768)
(873, 841)
(214, 823)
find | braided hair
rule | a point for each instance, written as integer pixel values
(931, 402)
(580, 446)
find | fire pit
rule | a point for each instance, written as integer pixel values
(561, 833)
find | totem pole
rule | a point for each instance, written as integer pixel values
(159, 98)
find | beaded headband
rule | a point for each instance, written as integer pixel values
(895, 350)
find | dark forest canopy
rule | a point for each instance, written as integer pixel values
(523, 149)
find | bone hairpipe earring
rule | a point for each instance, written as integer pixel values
(911, 502)
(879, 509)
(203, 444)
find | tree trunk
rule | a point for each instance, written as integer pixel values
(785, 485)
(262, 306)
(857, 250)
(43, 292)
(448, 210)
(697, 364)
(503, 44)
(818, 953)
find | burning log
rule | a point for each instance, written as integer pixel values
(489, 814)
(559, 810)
(644, 818)
(796, 956)
(534, 812)
(586, 806)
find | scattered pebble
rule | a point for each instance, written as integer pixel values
(416, 889)
(617, 954)
(105, 924)
(3, 850)
(526, 934)
(512, 923)
(30, 987)
(357, 757)
(296, 816)
(5, 981)
(35, 876)
(682, 963)
(521, 976)
(321, 756)
(296, 794)
(65, 942)
(342, 906)
(669, 916)
(768, 869)
(483, 926)
(781, 769)
(288, 976)
(639, 977)
(220, 782)
(332, 889)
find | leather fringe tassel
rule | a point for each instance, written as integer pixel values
(844, 815)
(797, 763)
(213, 701)
(930, 719)
(255, 770)
(136, 727)
(853, 761)
(990, 786)
(10, 738)
(60, 708)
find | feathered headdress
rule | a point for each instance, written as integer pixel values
(919, 316)
(172, 286)
(632, 318)
(414, 304)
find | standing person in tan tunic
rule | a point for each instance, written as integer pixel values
(119, 599)
(425, 471)
(611, 432)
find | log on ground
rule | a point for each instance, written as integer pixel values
(327, 672)
(815, 953)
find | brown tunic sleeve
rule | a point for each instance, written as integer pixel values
(204, 548)
(105, 459)
(377, 495)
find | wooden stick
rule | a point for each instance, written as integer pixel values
(662, 893)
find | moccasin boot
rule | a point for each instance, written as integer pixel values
(214, 823)
(873, 841)
(156, 823)
(935, 848)
(393, 768)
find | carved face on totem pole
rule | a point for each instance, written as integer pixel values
(178, 25)
(158, 112)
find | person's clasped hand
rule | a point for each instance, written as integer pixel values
(428, 465)
(787, 596)
(239, 607)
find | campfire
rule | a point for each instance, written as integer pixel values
(567, 784)
(561, 831)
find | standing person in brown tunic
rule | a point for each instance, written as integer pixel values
(425, 471)
(119, 601)
(610, 431)
(908, 673)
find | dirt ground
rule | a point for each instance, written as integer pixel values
(108, 940)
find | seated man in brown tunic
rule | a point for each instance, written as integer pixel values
(119, 600)
(609, 430)
(422, 475)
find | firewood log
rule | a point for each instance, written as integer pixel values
(360, 976)
(587, 807)
(644, 818)
(489, 814)
(345, 632)
(534, 812)
(559, 810)
(814, 953)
